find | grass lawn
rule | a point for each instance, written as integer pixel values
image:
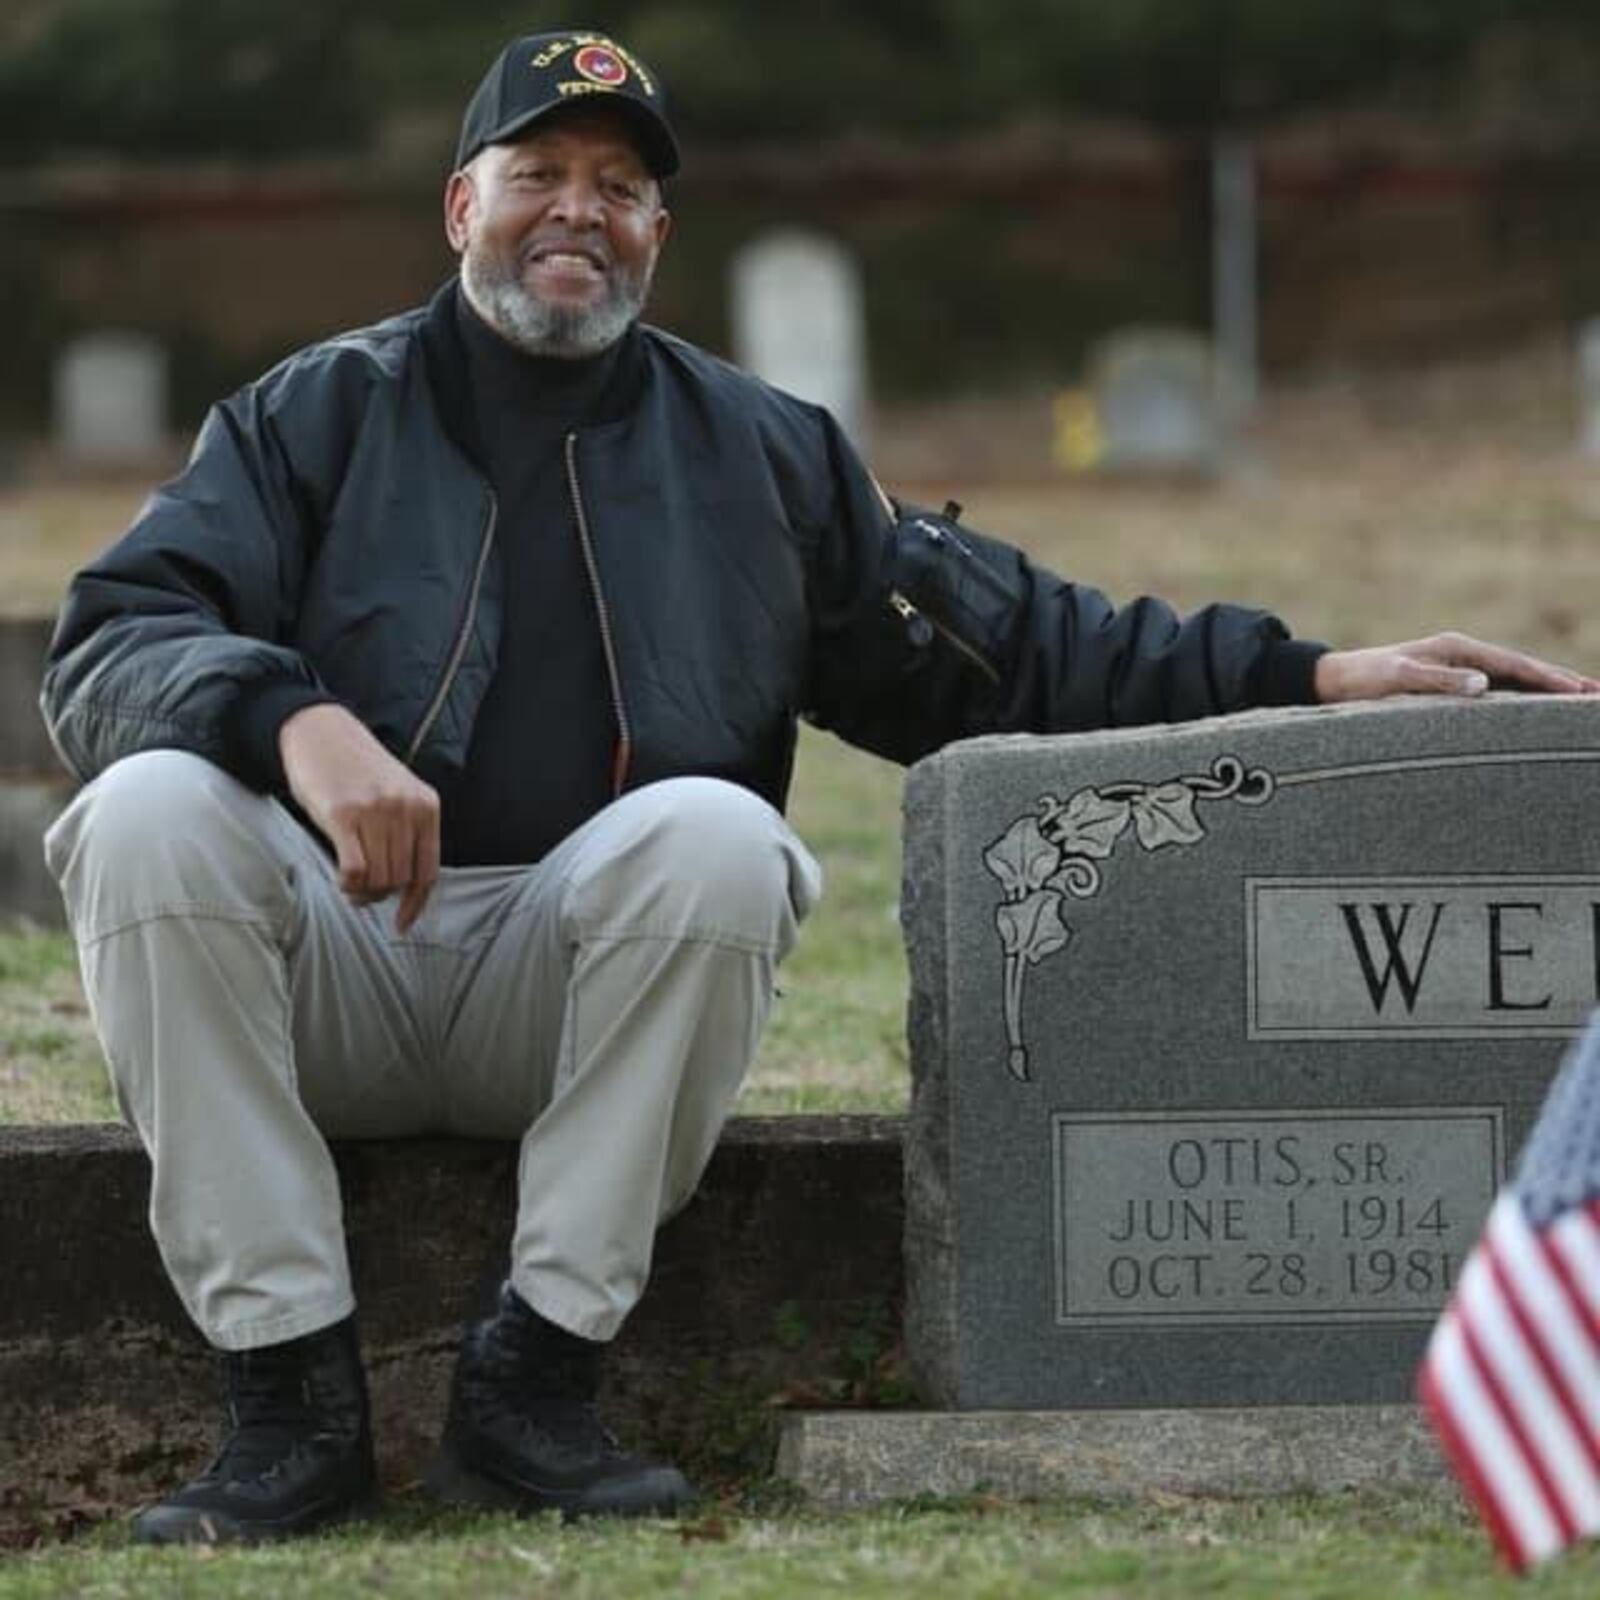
(1354, 540)
(1324, 1549)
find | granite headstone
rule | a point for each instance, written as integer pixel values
(1223, 1037)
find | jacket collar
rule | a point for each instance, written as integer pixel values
(445, 361)
(449, 375)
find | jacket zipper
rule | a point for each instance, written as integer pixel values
(619, 766)
(459, 650)
(912, 615)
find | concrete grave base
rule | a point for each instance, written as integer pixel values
(848, 1459)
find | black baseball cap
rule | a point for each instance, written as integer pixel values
(545, 72)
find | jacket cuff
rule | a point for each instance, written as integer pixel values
(1286, 673)
(258, 713)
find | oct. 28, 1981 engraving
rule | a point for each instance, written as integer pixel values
(1238, 1217)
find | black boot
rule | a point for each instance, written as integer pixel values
(297, 1450)
(523, 1435)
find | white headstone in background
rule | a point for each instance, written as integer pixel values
(1155, 394)
(111, 399)
(1589, 388)
(797, 322)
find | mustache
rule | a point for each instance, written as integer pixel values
(544, 244)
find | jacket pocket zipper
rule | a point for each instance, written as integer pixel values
(464, 633)
(608, 646)
(920, 626)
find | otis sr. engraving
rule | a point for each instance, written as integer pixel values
(1238, 1217)
(1430, 957)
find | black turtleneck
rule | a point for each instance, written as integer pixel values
(517, 797)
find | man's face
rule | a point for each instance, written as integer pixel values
(558, 233)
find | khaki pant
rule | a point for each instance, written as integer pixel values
(602, 1006)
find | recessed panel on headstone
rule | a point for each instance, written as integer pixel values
(1224, 1036)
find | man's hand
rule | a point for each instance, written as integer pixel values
(381, 819)
(1446, 663)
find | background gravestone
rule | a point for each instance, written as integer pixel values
(797, 322)
(1588, 372)
(111, 399)
(1155, 394)
(1223, 1036)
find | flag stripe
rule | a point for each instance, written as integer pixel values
(1439, 1403)
(1578, 1243)
(1511, 1377)
(1552, 1326)
(1554, 1450)
(1537, 1347)
(1555, 1244)
(1515, 1424)
(1513, 1491)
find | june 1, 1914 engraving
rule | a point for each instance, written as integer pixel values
(1306, 1216)
(1042, 859)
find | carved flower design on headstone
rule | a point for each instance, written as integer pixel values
(1164, 815)
(1033, 928)
(1042, 859)
(1022, 859)
(1091, 823)
(1030, 930)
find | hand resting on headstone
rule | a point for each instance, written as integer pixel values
(1443, 663)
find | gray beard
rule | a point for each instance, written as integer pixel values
(539, 329)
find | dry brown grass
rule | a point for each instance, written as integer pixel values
(1381, 546)
(1363, 542)
(48, 531)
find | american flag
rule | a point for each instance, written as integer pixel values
(1511, 1379)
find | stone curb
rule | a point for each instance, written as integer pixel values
(764, 1285)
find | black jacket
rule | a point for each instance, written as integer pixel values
(330, 538)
